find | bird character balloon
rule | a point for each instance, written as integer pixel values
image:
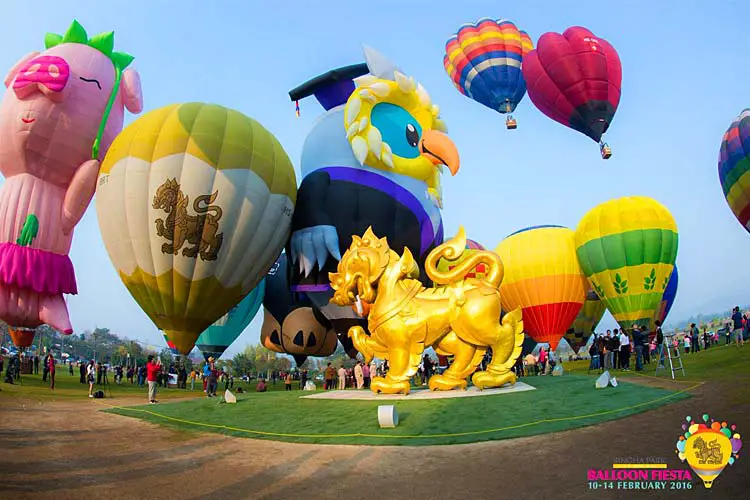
(627, 249)
(62, 109)
(194, 203)
(734, 167)
(291, 325)
(219, 336)
(483, 60)
(575, 79)
(374, 158)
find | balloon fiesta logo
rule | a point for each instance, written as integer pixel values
(708, 447)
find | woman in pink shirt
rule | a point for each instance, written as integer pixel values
(542, 359)
(51, 366)
(366, 374)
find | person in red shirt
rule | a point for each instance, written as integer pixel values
(152, 372)
(51, 367)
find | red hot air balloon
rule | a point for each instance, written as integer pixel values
(575, 79)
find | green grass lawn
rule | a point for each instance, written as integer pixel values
(69, 388)
(559, 403)
(715, 363)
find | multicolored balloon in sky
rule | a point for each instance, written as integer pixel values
(575, 79)
(734, 167)
(63, 108)
(483, 60)
(627, 248)
(543, 277)
(170, 345)
(194, 203)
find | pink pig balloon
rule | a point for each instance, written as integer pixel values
(49, 119)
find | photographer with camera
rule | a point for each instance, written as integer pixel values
(152, 372)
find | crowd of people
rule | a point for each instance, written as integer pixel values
(612, 350)
(615, 348)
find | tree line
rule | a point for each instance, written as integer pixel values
(105, 346)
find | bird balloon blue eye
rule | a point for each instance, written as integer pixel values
(399, 129)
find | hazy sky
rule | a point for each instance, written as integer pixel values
(685, 77)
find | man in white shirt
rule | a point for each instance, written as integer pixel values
(624, 351)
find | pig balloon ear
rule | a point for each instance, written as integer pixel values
(130, 86)
(12, 73)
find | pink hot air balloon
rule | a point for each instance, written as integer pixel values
(575, 78)
(62, 109)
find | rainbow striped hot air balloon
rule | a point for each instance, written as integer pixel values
(483, 60)
(734, 167)
(170, 345)
(588, 317)
(627, 249)
(543, 277)
(194, 203)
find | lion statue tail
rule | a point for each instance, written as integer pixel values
(452, 250)
(513, 321)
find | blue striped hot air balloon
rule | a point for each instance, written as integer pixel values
(218, 337)
(484, 59)
(668, 298)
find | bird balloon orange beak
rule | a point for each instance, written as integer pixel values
(440, 150)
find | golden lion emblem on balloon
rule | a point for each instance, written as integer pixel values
(180, 227)
(459, 317)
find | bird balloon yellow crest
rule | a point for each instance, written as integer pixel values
(627, 248)
(459, 317)
(194, 203)
(392, 125)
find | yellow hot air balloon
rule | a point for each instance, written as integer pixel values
(708, 451)
(627, 249)
(194, 203)
(543, 277)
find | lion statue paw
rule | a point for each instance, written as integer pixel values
(485, 380)
(443, 383)
(385, 386)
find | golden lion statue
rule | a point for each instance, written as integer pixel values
(459, 317)
(180, 227)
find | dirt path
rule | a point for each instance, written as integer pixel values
(67, 450)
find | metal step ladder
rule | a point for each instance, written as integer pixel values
(673, 353)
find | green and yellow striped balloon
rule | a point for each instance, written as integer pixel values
(627, 249)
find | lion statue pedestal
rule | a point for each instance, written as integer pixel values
(459, 317)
